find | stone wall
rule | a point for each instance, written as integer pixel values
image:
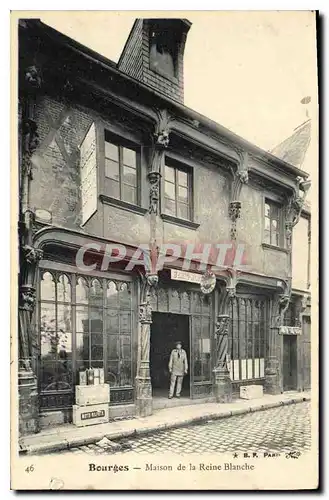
(56, 179)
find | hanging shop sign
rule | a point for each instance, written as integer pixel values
(208, 282)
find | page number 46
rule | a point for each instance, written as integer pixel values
(29, 469)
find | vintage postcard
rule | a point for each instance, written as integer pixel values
(164, 295)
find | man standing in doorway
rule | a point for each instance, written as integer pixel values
(178, 367)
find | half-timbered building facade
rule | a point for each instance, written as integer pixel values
(109, 155)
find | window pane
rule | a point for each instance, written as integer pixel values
(169, 174)
(182, 194)
(63, 289)
(56, 375)
(96, 293)
(242, 329)
(182, 178)
(96, 319)
(64, 328)
(206, 369)
(82, 319)
(124, 296)
(125, 321)
(267, 210)
(112, 169)
(126, 346)
(274, 238)
(111, 294)
(170, 190)
(82, 346)
(274, 224)
(205, 331)
(96, 350)
(113, 373)
(183, 211)
(82, 291)
(129, 194)
(125, 372)
(113, 347)
(111, 151)
(267, 223)
(170, 207)
(112, 321)
(129, 157)
(114, 189)
(48, 332)
(47, 287)
(274, 212)
(129, 176)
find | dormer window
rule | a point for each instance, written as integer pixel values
(163, 53)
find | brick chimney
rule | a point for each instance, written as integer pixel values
(154, 55)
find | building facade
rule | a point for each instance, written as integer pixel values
(111, 158)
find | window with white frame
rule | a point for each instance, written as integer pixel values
(177, 191)
(122, 163)
(272, 223)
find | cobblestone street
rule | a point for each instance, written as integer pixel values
(278, 430)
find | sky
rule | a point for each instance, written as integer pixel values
(247, 71)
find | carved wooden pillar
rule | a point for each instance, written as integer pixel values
(160, 141)
(143, 379)
(273, 365)
(223, 383)
(240, 177)
(29, 257)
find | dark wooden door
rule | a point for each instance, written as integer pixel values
(289, 362)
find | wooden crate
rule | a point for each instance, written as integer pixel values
(251, 391)
(92, 394)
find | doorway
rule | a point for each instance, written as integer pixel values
(289, 362)
(166, 329)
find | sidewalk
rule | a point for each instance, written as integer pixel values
(68, 436)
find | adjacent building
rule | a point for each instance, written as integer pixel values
(110, 157)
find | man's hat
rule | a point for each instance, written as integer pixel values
(178, 342)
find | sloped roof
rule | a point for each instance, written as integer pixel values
(293, 149)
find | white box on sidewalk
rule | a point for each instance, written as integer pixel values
(251, 391)
(92, 394)
(90, 415)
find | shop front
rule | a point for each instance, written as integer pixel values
(91, 320)
(100, 320)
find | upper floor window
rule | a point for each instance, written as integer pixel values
(273, 225)
(178, 192)
(121, 168)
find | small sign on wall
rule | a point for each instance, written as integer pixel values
(92, 414)
(185, 276)
(290, 330)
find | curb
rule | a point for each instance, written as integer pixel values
(63, 444)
